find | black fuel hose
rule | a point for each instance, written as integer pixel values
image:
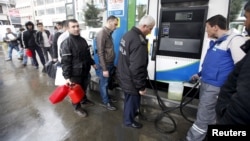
(165, 110)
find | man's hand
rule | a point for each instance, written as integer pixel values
(142, 92)
(94, 66)
(68, 81)
(55, 59)
(105, 73)
(195, 77)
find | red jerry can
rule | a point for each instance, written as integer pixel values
(76, 93)
(59, 94)
(28, 53)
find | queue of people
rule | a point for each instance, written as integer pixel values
(223, 97)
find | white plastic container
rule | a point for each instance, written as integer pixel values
(175, 90)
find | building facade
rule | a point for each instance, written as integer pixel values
(25, 8)
(5, 5)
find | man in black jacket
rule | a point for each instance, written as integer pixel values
(28, 39)
(132, 68)
(233, 107)
(76, 61)
(42, 39)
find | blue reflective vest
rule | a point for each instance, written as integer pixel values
(217, 64)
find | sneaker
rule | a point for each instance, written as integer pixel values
(135, 125)
(44, 70)
(8, 59)
(109, 106)
(87, 103)
(81, 112)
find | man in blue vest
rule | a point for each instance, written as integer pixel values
(223, 53)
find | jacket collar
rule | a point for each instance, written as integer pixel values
(137, 30)
(108, 30)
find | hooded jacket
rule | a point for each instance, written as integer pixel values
(28, 37)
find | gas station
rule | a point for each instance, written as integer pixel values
(176, 49)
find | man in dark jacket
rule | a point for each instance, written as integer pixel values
(76, 61)
(29, 42)
(132, 68)
(233, 107)
(42, 39)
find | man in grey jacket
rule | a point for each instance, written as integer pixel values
(106, 54)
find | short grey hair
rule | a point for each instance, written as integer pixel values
(147, 20)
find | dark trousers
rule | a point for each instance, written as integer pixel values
(46, 51)
(131, 106)
(84, 82)
(40, 54)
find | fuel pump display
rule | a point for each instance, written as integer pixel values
(180, 43)
(182, 32)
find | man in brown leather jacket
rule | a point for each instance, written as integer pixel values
(106, 54)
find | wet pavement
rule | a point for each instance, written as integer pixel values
(27, 114)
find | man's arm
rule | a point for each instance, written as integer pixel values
(100, 43)
(66, 61)
(24, 40)
(55, 47)
(38, 38)
(138, 64)
(236, 51)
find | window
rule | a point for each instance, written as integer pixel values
(49, 1)
(1, 9)
(40, 12)
(40, 2)
(50, 11)
(60, 10)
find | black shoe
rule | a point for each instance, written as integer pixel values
(135, 125)
(81, 112)
(44, 70)
(87, 103)
(109, 106)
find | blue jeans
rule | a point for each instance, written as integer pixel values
(103, 83)
(10, 49)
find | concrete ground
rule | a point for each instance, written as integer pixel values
(27, 114)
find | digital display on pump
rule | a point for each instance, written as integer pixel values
(183, 16)
(182, 31)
